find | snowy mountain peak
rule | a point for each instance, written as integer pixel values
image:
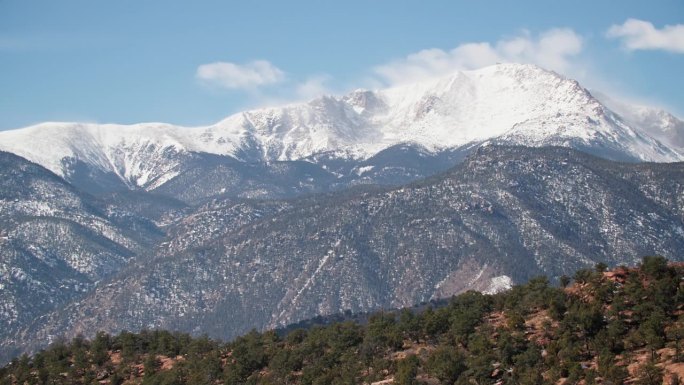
(505, 103)
(656, 122)
(131, 152)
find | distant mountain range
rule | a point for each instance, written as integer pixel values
(371, 200)
(338, 138)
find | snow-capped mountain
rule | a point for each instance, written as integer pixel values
(503, 104)
(107, 227)
(656, 122)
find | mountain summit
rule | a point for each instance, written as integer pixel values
(515, 104)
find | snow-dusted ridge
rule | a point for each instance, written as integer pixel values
(657, 122)
(505, 103)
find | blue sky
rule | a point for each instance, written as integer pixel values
(194, 63)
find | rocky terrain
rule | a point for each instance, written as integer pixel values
(502, 216)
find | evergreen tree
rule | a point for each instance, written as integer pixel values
(649, 374)
(407, 370)
(446, 363)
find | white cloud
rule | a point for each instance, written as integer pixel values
(313, 87)
(638, 34)
(247, 76)
(554, 49)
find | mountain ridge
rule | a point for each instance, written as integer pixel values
(56, 242)
(504, 214)
(279, 215)
(506, 104)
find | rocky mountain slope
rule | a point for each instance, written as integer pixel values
(504, 104)
(57, 242)
(502, 216)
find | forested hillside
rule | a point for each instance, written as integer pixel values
(609, 327)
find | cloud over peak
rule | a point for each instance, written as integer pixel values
(643, 35)
(247, 76)
(553, 49)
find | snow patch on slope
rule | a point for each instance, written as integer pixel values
(499, 284)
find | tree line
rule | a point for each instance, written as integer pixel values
(598, 326)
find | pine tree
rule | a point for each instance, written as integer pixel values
(407, 370)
